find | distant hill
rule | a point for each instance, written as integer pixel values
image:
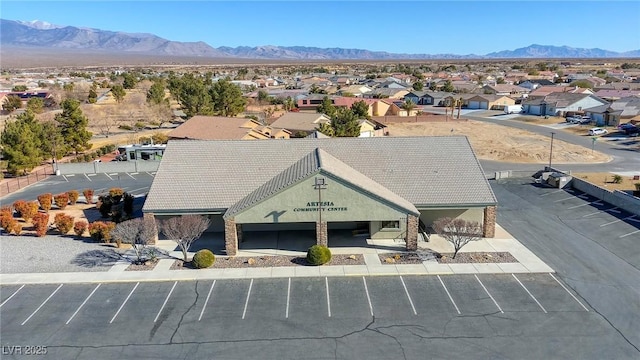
(43, 35)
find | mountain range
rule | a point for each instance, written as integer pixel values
(43, 35)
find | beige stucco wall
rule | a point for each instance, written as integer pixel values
(377, 232)
(341, 202)
(474, 214)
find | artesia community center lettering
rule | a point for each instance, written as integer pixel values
(320, 206)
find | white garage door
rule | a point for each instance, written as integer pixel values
(474, 105)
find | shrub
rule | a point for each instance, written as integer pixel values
(318, 255)
(73, 196)
(116, 194)
(30, 210)
(125, 127)
(88, 195)
(203, 259)
(101, 230)
(63, 222)
(80, 227)
(45, 201)
(19, 206)
(61, 200)
(14, 227)
(617, 179)
(637, 185)
(105, 203)
(86, 157)
(6, 218)
(41, 223)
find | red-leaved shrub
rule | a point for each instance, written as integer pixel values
(101, 230)
(45, 201)
(30, 210)
(61, 200)
(73, 196)
(80, 227)
(88, 195)
(63, 222)
(41, 223)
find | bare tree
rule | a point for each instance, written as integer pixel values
(459, 232)
(184, 230)
(138, 232)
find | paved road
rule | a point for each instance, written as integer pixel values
(526, 316)
(593, 246)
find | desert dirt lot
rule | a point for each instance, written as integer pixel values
(499, 143)
(605, 180)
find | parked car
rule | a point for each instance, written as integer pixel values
(584, 120)
(626, 126)
(597, 131)
(632, 131)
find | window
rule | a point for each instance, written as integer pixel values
(391, 224)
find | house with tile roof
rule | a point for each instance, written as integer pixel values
(202, 127)
(393, 188)
(300, 121)
(559, 103)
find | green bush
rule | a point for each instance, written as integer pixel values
(617, 179)
(125, 127)
(318, 255)
(203, 259)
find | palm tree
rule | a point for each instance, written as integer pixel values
(408, 106)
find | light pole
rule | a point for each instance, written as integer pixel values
(551, 150)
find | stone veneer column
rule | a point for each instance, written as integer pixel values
(151, 216)
(489, 222)
(239, 232)
(230, 237)
(321, 233)
(412, 233)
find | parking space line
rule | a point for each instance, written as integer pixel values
(165, 301)
(107, 175)
(569, 190)
(41, 305)
(286, 312)
(134, 173)
(631, 233)
(81, 305)
(408, 296)
(150, 174)
(569, 198)
(130, 176)
(366, 290)
(65, 178)
(207, 300)
(326, 282)
(567, 290)
(593, 213)
(577, 206)
(614, 210)
(246, 303)
(12, 295)
(125, 301)
(88, 178)
(530, 294)
(448, 294)
(583, 196)
(487, 291)
(553, 192)
(615, 221)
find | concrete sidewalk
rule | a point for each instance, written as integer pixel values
(504, 242)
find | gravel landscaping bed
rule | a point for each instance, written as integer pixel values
(149, 265)
(51, 253)
(271, 261)
(446, 258)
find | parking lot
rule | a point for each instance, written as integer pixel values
(613, 228)
(136, 183)
(171, 319)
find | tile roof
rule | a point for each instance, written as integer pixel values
(318, 161)
(213, 175)
(214, 128)
(300, 121)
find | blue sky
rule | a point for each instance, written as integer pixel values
(431, 27)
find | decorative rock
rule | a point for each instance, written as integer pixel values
(389, 260)
(251, 261)
(352, 257)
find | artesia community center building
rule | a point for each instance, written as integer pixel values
(388, 187)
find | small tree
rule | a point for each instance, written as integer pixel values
(184, 230)
(137, 232)
(459, 232)
(45, 201)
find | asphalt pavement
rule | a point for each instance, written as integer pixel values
(524, 316)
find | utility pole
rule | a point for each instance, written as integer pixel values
(551, 150)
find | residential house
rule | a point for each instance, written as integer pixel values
(489, 102)
(297, 122)
(629, 107)
(557, 104)
(355, 90)
(435, 98)
(465, 86)
(382, 93)
(226, 128)
(533, 84)
(504, 89)
(613, 95)
(604, 115)
(543, 91)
